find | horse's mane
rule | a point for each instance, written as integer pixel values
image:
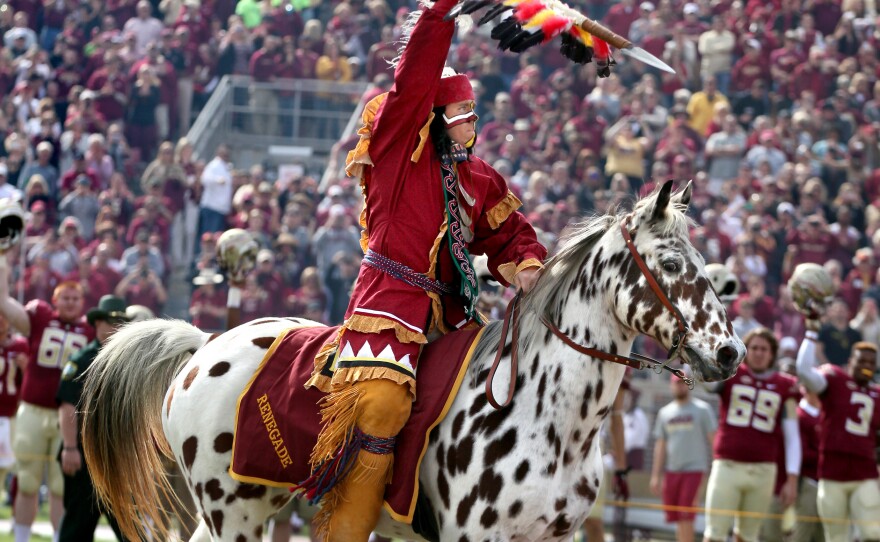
(561, 271)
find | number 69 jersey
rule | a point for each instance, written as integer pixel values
(848, 428)
(750, 421)
(52, 342)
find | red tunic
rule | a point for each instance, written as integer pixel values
(405, 209)
(848, 428)
(750, 421)
(52, 342)
(405, 206)
(10, 376)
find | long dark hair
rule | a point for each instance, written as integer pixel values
(439, 135)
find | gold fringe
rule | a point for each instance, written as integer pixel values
(423, 137)
(339, 413)
(350, 375)
(360, 155)
(370, 467)
(503, 209)
(375, 324)
(321, 521)
(509, 270)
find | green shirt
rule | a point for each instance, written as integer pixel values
(249, 10)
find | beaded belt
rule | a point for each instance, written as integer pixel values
(404, 273)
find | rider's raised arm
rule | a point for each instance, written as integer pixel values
(408, 106)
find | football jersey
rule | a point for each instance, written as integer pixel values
(10, 376)
(809, 427)
(52, 342)
(750, 418)
(848, 428)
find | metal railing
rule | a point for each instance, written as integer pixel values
(278, 122)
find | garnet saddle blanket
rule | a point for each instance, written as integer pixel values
(278, 420)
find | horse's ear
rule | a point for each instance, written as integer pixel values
(661, 202)
(684, 197)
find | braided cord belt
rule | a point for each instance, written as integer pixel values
(405, 274)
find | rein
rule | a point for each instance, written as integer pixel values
(634, 360)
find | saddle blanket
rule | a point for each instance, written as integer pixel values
(278, 420)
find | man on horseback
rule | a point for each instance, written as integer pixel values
(430, 203)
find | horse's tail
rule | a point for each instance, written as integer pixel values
(122, 432)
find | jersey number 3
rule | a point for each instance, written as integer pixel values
(57, 346)
(751, 406)
(860, 426)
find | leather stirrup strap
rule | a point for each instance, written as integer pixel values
(509, 320)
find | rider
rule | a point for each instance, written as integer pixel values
(429, 204)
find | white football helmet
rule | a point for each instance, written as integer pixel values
(811, 287)
(237, 254)
(724, 282)
(11, 224)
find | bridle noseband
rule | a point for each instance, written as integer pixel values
(634, 360)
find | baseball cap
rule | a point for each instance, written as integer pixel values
(334, 190)
(785, 207)
(646, 6)
(45, 146)
(264, 255)
(691, 8)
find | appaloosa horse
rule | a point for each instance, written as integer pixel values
(526, 472)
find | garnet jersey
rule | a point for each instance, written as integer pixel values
(809, 427)
(848, 428)
(750, 421)
(10, 376)
(52, 342)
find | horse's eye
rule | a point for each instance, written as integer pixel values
(670, 266)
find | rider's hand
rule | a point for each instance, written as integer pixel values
(526, 279)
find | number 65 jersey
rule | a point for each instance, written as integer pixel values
(52, 342)
(750, 417)
(848, 428)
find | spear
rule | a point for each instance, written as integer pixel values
(538, 21)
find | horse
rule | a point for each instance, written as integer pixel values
(529, 471)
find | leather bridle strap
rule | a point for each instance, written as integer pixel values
(508, 322)
(652, 282)
(636, 361)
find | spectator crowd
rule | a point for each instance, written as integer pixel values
(773, 111)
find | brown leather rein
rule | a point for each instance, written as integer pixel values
(634, 360)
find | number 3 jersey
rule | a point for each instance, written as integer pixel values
(848, 428)
(52, 342)
(750, 421)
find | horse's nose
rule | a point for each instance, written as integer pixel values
(727, 355)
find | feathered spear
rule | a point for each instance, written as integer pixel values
(525, 23)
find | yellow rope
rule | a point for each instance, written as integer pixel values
(739, 513)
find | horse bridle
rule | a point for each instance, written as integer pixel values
(634, 360)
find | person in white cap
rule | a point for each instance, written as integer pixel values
(42, 166)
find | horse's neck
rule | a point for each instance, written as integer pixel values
(584, 387)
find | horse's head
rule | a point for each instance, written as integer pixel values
(681, 304)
